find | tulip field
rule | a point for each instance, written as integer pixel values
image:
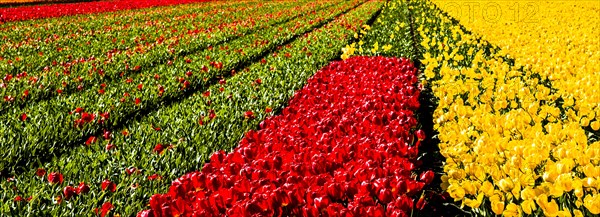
(300, 108)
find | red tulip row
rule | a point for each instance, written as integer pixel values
(345, 146)
(58, 10)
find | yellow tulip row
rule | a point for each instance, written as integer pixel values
(516, 116)
(559, 40)
(513, 130)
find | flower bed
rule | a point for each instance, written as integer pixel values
(58, 10)
(346, 145)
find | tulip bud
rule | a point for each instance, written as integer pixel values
(83, 188)
(385, 196)
(421, 203)
(69, 192)
(55, 178)
(427, 176)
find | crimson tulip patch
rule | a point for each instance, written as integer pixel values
(345, 146)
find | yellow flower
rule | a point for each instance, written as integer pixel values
(456, 192)
(505, 185)
(512, 210)
(387, 47)
(487, 189)
(498, 207)
(375, 47)
(528, 206)
(549, 208)
(564, 213)
(592, 203)
(474, 203)
(595, 125)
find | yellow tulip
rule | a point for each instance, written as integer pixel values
(487, 189)
(528, 206)
(497, 207)
(505, 185)
(512, 210)
(592, 203)
(595, 125)
(456, 192)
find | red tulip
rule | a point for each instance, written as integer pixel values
(23, 117)
(249, 115)
(107, 184)
(427, 176)
(154, 177)
(40, 172)
(87, 117)
(91, 140)
(83, 188)
(55, 178)
(130, 170)
(159, 148)
(69, 192)
(106, 207)
(107, 135)
(385, 196)
(420, 135)
(421, 203)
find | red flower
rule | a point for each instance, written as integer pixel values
(91, 140)
(109, 146)
(106, 207)
(249, 115)
(159, 148)
(87, 117)
(78, 110)
(69, 192)
(107, 135)
(130, 170)
(40, 172)
(427, 177)
(421, 203)
(23, 117)
(83, 188)
(107, 184)
(54, 178)
(140, 86)
(154, 177)
(18, 198)
(420, 135)
(137, 101)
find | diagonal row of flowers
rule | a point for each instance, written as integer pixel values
(345, 146)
